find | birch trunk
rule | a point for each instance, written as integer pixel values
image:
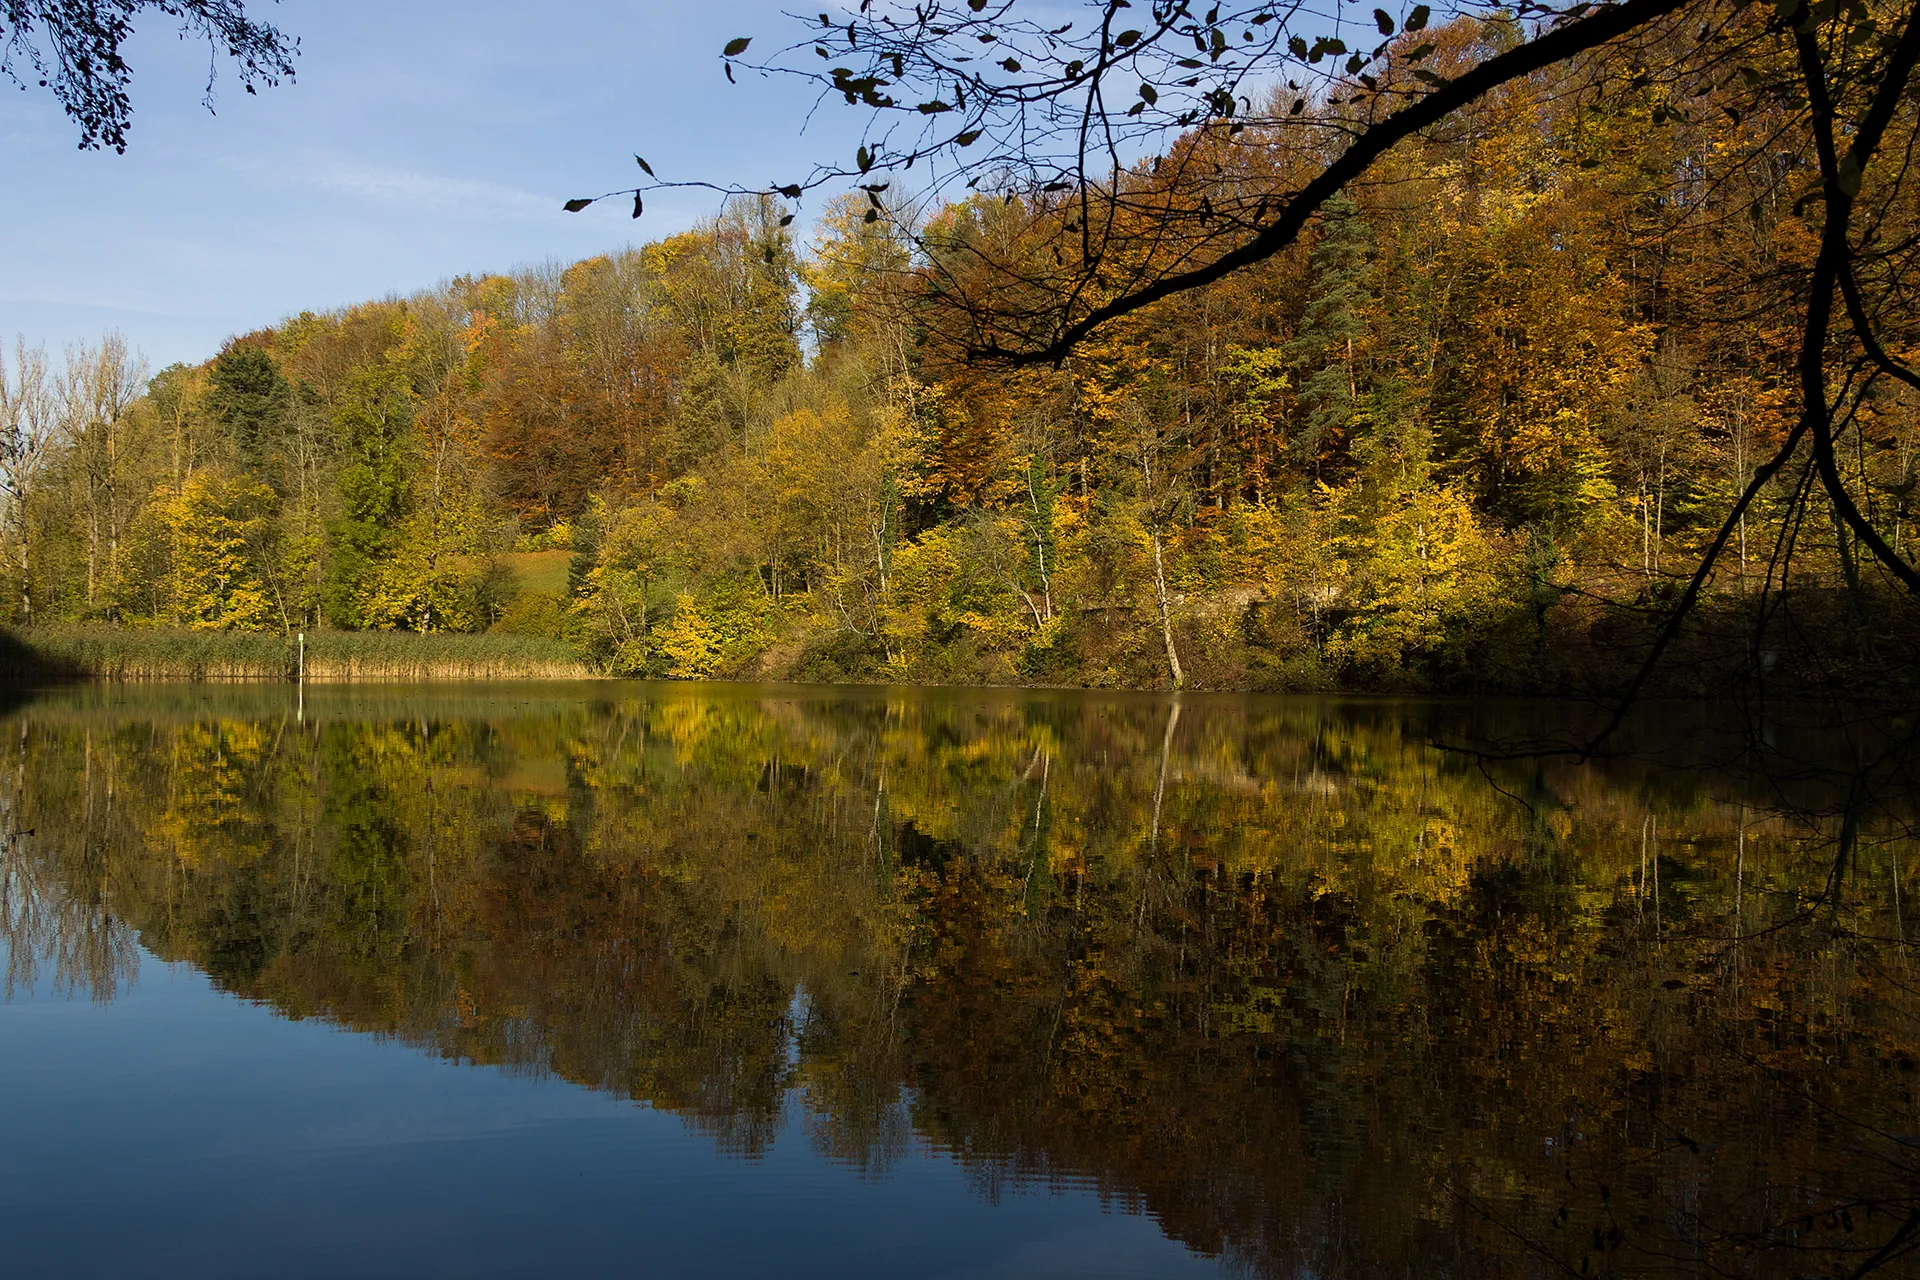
(1166, 617)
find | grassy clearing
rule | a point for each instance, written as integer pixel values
(544, 571)
(125, 653)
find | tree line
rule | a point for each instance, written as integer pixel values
(1474, 430)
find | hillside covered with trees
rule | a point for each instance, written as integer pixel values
(1470, 433)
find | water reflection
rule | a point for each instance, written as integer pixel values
(1321, 999)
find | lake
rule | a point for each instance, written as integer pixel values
(712, 980)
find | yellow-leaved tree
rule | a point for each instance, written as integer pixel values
(1424, 571)
(613, 603)
(220, 578)
(433, 582)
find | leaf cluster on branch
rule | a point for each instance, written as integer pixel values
(73, 48)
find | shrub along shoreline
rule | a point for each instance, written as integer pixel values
(1840, 643)
(82, 652)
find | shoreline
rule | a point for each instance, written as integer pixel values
(66, 654)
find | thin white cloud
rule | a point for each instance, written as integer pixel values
(429, 193)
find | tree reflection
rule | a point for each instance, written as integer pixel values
(1321, 998)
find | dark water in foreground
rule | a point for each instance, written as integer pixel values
(710, 980)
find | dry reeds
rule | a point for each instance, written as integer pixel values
(131, 654)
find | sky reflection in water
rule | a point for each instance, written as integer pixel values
(183, 1132)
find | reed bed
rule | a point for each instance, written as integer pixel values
(131, 654)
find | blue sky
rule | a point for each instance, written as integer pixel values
(421, 140)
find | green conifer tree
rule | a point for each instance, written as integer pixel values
(375, 418)
(248, 395)
(1323, 350)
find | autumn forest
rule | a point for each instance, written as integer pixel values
(1263, 638)
(1471, 432)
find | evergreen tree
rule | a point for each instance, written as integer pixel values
(374, 419)
(248, 395)
(1322, 351)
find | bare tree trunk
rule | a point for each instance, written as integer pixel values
(27, 425)
(1660, 508)
(113, 501)
(93, 541)
(1646, 532)
(1166, 617)
(1040, 544)
(1740, 482)
(26, 568)
(97, 388)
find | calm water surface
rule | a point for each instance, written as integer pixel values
(725, 980)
